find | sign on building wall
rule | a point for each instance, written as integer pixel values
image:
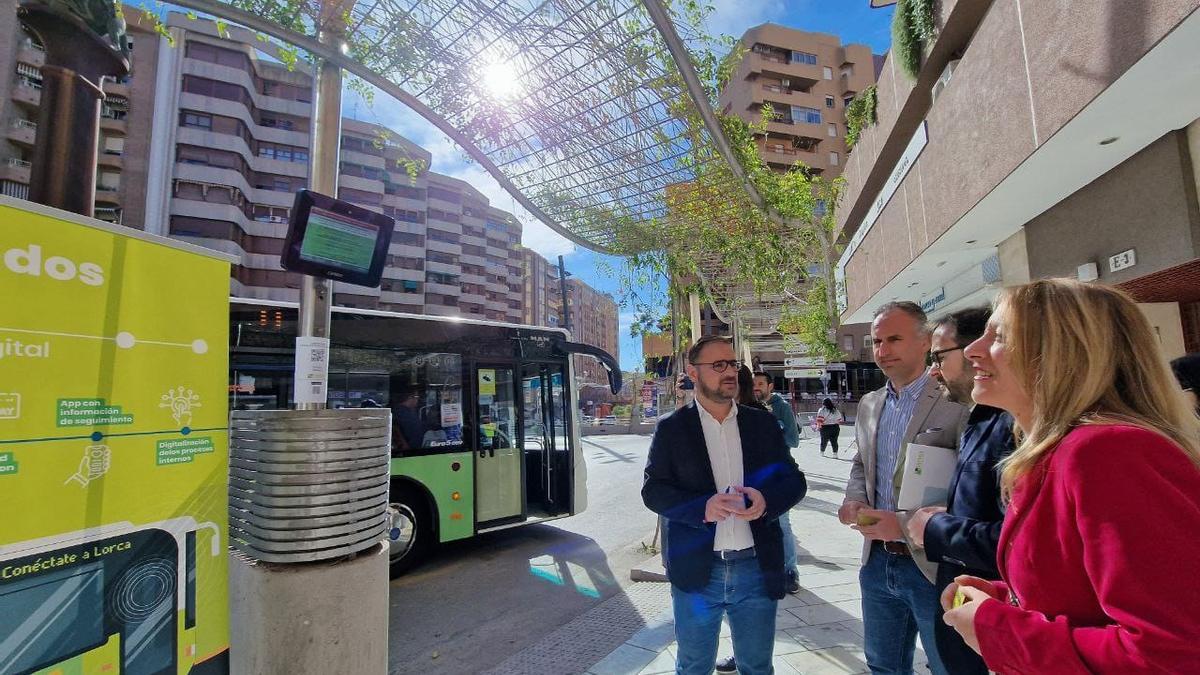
(113, 450)
(1122, 260)
(912, 151)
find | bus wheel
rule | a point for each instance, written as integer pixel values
(411, 534)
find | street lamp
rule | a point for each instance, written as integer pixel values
(562, 289)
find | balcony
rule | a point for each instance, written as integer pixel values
(117, 89)
(31, 53)
(443, 289)
(110, 160)
(107, 194)
(27, 92)
(112, 215)
(804, 75)
(786, 156)
(16, 170)
(786, 126)
(779, 94)
(22, 132)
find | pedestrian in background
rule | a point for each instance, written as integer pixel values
(829, 420)
(764, 391)
(962, 536)
(1098, 553)
(1187, 373)
(898, 596)
(720, 475)
(746, 395)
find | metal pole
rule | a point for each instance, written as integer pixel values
(562, 288)
(316, 294)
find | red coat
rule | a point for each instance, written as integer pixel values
(1104, 560)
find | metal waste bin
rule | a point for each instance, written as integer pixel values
(308, 485)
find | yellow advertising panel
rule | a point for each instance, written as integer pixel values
(113, 449)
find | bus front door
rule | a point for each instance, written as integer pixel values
(498, 485)
(546, 438)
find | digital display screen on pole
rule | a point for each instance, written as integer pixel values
(337, 240)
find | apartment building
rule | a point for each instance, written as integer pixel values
(593, 315)
(1038, 139)
(125, 115)
(593, 320)
(543, 292)
(239, 122)
(208, 140)
(808, 79)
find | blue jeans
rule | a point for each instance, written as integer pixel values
(898, 603)
(735, 588)
(789, 545)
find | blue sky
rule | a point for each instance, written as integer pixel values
(852, 20)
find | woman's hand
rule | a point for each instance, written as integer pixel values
(962, 619)
(967, 581)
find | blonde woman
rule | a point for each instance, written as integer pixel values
(1100, 549)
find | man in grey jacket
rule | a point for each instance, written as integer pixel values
(896, 577)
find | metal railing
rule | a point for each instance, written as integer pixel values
(19, 163)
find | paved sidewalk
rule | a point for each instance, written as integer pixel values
(819, 630)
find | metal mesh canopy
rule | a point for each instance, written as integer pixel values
(576, 107)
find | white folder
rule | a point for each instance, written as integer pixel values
(926, 478)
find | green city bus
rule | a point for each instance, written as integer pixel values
(485, 431)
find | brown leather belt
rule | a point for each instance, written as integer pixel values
(896, 548)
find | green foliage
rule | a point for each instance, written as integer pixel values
(912, 28)
(712, 224)
(151, 17)
(860, 114)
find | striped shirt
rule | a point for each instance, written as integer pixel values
(898, 410)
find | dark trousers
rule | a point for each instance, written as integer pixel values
(829, 434)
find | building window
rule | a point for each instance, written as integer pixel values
(833, 158)
(867, 343)
(827, 72)
(808, 115)
(411, 286)
(846, 101)
(848, 343)
(804, 57)
(828, 101)
(196, 120)
(832, 130)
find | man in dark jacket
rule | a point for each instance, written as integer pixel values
(720, 475)
(962, 537)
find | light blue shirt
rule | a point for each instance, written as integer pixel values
(898, 408)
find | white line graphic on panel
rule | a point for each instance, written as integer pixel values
(181, 402)
(124, 339)
(97, 459)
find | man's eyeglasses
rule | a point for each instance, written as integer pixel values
(720, 366)
(935, 357)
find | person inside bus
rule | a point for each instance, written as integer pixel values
(408, 431)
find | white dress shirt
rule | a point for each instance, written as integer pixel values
(724, 445)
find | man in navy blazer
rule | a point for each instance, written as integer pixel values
(720, 475)
(963, 536)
